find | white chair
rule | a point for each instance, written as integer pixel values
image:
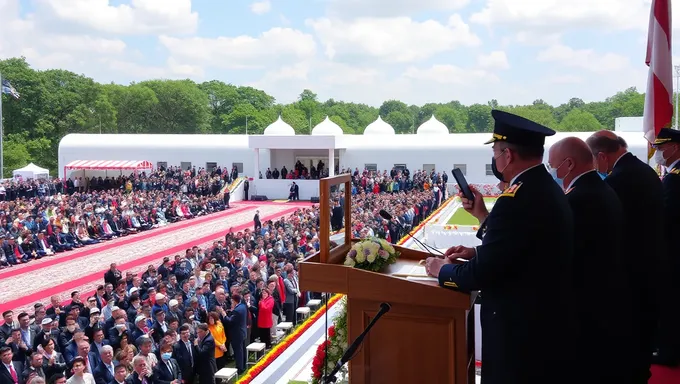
(256, 350)
(285, 326)
(314, 303)
(279, 335)
(226, 374)
(303, 313)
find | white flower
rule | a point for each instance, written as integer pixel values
(333, 350)
(386, 246)
(350, 262)
(361, 257)
(371, 251)
(331, 365)
(383, 254)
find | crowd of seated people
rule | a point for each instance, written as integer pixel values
(197, 311)
(35, 226)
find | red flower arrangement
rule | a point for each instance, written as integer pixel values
(285, 343)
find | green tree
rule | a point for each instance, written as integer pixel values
(578, 120)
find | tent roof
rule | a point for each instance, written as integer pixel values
(109, 164)
(32, 168)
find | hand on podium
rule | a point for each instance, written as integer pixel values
(460, 252)
(434, 264)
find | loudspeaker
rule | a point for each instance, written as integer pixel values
(258, 197)
(314, 199)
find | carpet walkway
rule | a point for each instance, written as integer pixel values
(83, 269)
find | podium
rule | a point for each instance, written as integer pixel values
(427, 336)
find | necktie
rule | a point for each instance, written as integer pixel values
(13, 373)
(191, 354)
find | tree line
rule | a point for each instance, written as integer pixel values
(56, 102)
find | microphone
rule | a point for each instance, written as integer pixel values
(349, 353)
(386, 215)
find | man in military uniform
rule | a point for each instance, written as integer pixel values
(523, 266)
(641, 194)
(598, 269)
(668, 339)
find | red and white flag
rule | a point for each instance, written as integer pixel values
(659, 97)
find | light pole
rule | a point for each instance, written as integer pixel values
(100, 124)
(246, 125)
(677, 91)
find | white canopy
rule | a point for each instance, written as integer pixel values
(31, 171)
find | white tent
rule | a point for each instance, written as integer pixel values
(31, 171)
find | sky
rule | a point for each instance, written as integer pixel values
(365, 51)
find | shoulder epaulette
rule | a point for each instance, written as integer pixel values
(675, 171)
(511, 190)
(568, 190)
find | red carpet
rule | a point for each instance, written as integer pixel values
(83, 252)
(665, 375)
(79, 281)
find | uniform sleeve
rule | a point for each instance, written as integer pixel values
(507, 237)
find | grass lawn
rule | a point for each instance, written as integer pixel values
(461, 217)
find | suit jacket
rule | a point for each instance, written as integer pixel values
(236, 323)
(185, 359)
(206, 366)
(6, 377)
(668, 339)
(101, 374)
(641, 193)
(523, 269)
(133, 378)
(163, 375)
(599, 270)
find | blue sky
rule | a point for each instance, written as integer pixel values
(366, 51)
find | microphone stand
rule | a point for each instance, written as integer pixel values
(349, 353)
(431, 250)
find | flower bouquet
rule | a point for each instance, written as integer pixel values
(372, 254)
(335, 345)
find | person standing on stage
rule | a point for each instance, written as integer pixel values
(638, 187)
(668, 339)
(523, 266)
(598, 214)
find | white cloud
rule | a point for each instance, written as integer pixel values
(138, 17)
(398, 39)
(261, 7)
(493, 60)
(450, 74)
(564, 79)
(390, 8)
(275, 46)
(586, 59)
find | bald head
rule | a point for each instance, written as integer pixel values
(574, 148)
(570, 158)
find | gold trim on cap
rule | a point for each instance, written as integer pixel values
(496, 137)
(661, 141)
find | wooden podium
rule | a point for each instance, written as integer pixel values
(427, 336)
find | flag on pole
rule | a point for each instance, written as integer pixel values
(659, 97)
(8, 89)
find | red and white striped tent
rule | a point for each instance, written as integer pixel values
(108, 165)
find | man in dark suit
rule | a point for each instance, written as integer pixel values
(336, 216)
(641, 193)
(523, 266)
(167, 371)
(257, 224)
(206, 366)
(237, 331)
(184, 352)
(226, 197)
(246, 186)
(668, 339)
(140, 372)
(105, 371)
(10, 371)
(603, 324)
(296, 191)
